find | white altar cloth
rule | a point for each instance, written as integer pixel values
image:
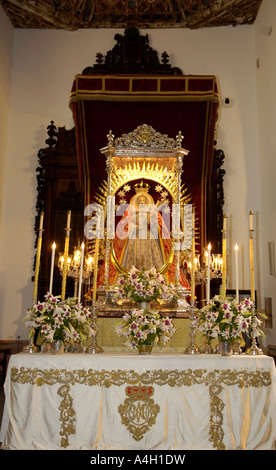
(129, 401)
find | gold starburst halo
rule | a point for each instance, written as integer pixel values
(136, 170)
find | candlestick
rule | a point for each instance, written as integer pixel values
(193, 259)
(66, 250)
(95, 269)
(237, 271)
(208, 273)
(96, 256)
(223, 288)
(81, 268)
(193, 349)
(52, 268)
(251, 256)
(38, 255)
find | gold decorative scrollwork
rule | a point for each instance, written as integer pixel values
(139, 411)
(67, 415)
(216, 432)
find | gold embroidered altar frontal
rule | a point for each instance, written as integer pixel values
(110, 341)
(127, 401)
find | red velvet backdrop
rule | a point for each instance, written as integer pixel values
(167, 103)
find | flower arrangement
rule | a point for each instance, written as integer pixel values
(144, 285)
(226, 319)
(145, 327)
(55, 319)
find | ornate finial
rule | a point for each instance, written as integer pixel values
(142, 187)
(179, 139)
(164, 58)
(110, 138)
(51, 133)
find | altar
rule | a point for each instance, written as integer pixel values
(131, 402)
(136, 368)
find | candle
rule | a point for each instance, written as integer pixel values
(52, 267)
(223, 287)
(193, 260)
(208, 273)
(41, 221)
(66, 249)
(95, 268)
(224, 223)
(81, 268)
(251, 220)
(96, 256)
(237, 271)
(251, 255)
(68, 223)
(38, 254)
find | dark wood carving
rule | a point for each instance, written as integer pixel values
(215, 202)
(58, 190)
(132, 55)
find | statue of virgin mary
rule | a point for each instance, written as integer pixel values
(142, 239)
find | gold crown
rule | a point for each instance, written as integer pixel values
(142, 187)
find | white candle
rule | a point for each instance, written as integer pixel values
(81, 268)
(224, 223)
(68, 219)
(66, 249)
(38, 255)
(208, 273)
(251, 221)
(237, 271)
(52, 267)
(251, 254)
(41, 221)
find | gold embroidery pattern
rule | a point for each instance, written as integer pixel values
(214, 380)
(216, 432)
(67, 415)
(138, 413)
(229, 377)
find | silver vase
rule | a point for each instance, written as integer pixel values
(144, 348)
(57, 347)
(145, 304)
(226, 348)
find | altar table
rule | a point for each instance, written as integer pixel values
(129, 401)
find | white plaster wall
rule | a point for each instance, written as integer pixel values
(6, 53)
(265, 43)
(45, 63)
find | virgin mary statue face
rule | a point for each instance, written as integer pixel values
(142, 199)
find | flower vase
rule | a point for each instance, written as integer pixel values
(45, 347)
(226, 348)
(145, 305)
(57, 347)
(144, 348)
